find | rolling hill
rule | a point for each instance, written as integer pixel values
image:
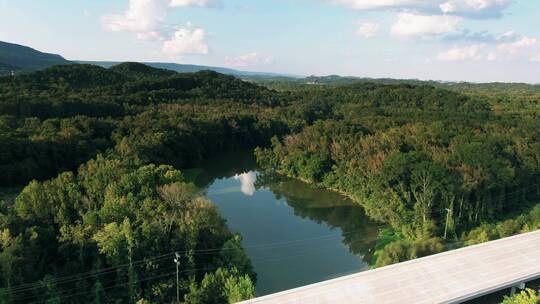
(190, 68)
(15, 57)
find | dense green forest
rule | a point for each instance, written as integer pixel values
(103, 210)
(105, 206)
(415, 156)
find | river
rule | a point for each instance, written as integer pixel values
(294, 234)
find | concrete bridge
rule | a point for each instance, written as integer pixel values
(449, 277)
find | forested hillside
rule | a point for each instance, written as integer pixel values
(187, 68)
(413, 155)
(106, 226)
(101, 152)
(56, 119)
(14, 57)
(501, 92)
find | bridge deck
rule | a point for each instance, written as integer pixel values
(449, 277)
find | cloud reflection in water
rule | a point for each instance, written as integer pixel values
(247, 181)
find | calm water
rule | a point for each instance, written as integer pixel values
(294, 234)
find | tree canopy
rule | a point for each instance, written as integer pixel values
(100, 153)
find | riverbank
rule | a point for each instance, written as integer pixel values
(395, 247)
(293, 233)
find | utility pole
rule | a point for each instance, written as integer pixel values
(448, 211)
(177, 262)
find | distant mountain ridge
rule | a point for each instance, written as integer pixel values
(15, 57)
(190, 68)
(20, 58)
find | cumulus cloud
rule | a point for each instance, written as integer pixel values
(471, 52)
(367, 29)
(247, 182)
(143, 17)
(199, 3)
(424, 26)
(469, 36)
(504, 47)
(517, 46)
(465, 8)
(247, 60)
(475, 8)
(186, 41)
(146, 18)
(508, 36)
(381, 4)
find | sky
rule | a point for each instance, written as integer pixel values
(452, 40)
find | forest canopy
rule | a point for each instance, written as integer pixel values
(104, 205)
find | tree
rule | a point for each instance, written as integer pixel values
(431, 183)
(116, 241)
(51, 295)
(99, 293)
(9, 255)
(233, 255)
(527, 296)
(400, 251)
(222, 286)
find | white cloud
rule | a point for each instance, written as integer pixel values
(142, 17)
(522, 47)
(492, 56)
(381, 4)
(186, 41)
(465, 8)
(367, 29)
(471, 52)
(424, 26)
(472, 8)
(247, 181)
(200, 3)
(517, 46)
(146, 18)
(508, 36)
(506, 47)
(248, 60)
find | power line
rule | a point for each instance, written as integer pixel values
(90, 274)
(115, 286)
(492, 199)
(96, 273)
(261, 261)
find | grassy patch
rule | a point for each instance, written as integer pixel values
(386, 236)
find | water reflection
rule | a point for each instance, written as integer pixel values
(294, 234)
(247, 181)
(329, 208)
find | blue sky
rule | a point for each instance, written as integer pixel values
(472, 40)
